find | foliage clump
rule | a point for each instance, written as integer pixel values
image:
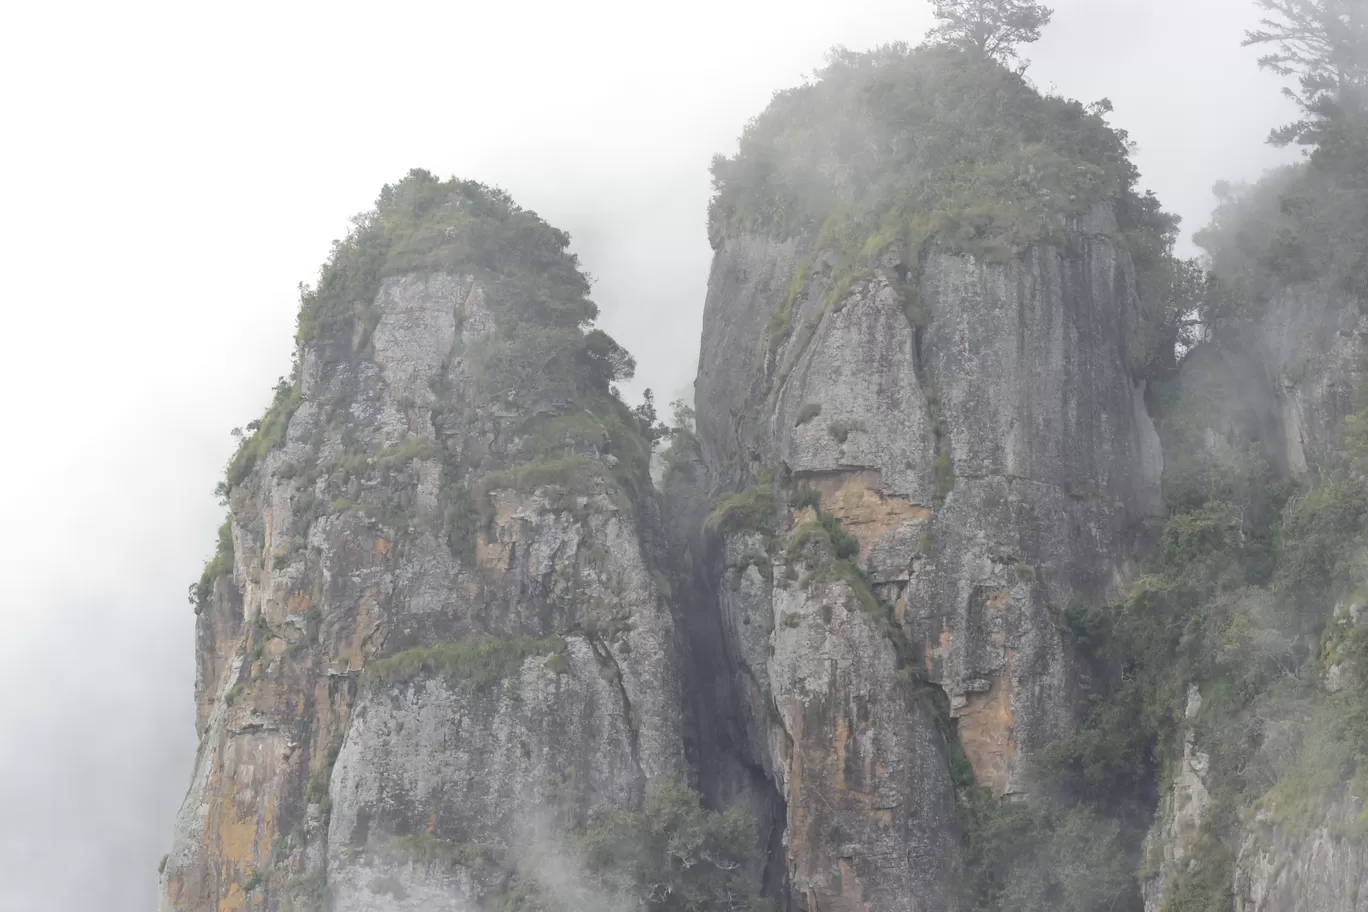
(677, 855)
(888, 155)
(1026, 855)
(672, 855)
(684, 448)
(934, 145)
(435, 851)
(267, 433)
(994, 28)
(218, 566)
(1324, 44)
(748, 510)
(480, 661)
(1301, 223)
(832, 554)
(932, 142)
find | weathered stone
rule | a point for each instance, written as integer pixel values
(501, 767)
(341, 557)
(1181, 812)
(1316, 868)
(1314, 340)
(1014, 407)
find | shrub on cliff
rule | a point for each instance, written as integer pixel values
(679, 856)
(940, 136)
(479, 662)
(898, 151)
(1303, 223)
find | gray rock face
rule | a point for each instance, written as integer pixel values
(346, 550)
(1278, 389)
(1313, 340)
(1319, 868)
(854, 749)
(1180, 813)
(1280, 386)
(499, 768)
(994, 465)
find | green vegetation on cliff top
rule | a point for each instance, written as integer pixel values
(1246, 601)
(542, 361)
(889, 154)
(911, 144)
(541, 350)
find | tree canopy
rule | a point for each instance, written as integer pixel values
(1324, 44)
(995, 27)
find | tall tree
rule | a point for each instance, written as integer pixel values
(995, 27)
(1324, 44)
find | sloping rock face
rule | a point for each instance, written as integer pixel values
(994, 465)
(941, 444)
(1180, 814)
(1320, 868)
(1314, 338)
(435, 632)
(1282, 383)
(1269, 395)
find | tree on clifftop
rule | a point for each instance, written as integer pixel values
(1324, 44)
(995, 27)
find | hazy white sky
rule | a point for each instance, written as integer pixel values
(170, 171)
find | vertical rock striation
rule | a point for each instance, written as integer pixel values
(435, 633)
(940, 445)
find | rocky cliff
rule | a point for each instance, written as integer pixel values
(974, 581)
(1261, 806)
(939, 446)
(436, 633)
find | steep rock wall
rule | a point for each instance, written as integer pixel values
(1270, 394)
(1312, 340)
(418, 634)
(1320, 868)
(994, 465)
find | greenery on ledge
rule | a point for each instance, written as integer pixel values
(218, 566)
(480, 661)
(938, 141)
(748, 510)
(562, 479)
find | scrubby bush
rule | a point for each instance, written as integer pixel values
(218, 566)
(479, 661)
(751, 509)
(679, 856)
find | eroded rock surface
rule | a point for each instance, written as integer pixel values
(409, 500)
(994, 465)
